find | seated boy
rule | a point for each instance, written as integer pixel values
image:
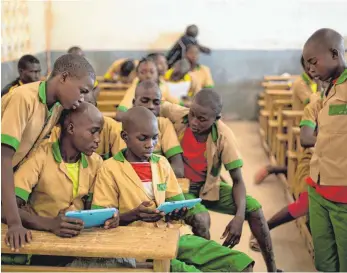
(146, 70)
(160, 62)
(180, 81)
(109, 135)
(207, 144)
(29, 70)
(59, 176)
(123, 70)
(179, 49)
(29, 113)
(136, 181)
(201, 72)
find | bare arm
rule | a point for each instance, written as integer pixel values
(177, 165)
(307, 137)
(239, 192)
(204, 49)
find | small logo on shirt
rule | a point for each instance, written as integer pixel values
(162, 187)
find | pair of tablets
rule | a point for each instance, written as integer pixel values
(95, 218)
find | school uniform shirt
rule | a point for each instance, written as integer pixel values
(115, 69)
(329, 161)
(26, 120)
(203, 76)
(193, 85)
(45, 182)
(221, 148)
(8, 88)
(127, 101)
(118, 185)
(109, 138)
(168, 144)
(302, 88)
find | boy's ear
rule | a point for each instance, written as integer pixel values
(63, 76)
(219, 117)
(124, 136)
(334, 53)
(70, 128)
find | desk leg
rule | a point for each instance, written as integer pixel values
(161, 265)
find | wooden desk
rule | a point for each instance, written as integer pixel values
(113, 86)
(282, 86)
(158, 244)
(280, 78)
(111, 95)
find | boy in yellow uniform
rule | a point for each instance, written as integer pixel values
(207, 144)
(29, 113)
(324, 53)
(123, 70)
(160, 62)
(201, 72)
(146, 70)
(59, 176)
(29, 70)
(136, 181)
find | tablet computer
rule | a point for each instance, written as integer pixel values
(92, 218)
(168, 207)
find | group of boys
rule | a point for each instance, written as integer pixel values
(52, 131)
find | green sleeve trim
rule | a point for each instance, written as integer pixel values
(307, 101)
(308, 123)
(209, 86)
(174, 151)
(178, 197)
(122, 108)
(181, 103)
(97, 207)
(10, 140)
(234, 165)
(22, 194)
(90, 197)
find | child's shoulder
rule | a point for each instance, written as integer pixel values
(27, 93)
(161, 160)
(223, 130)
(111, 123)
(94, 161)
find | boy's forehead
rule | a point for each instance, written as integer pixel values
(152, 92)
(200, 109)
(148, 127)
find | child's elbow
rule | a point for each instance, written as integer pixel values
(179, 172)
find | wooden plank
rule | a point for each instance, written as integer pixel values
(114, 86)
(280, 78)
(128, 242)
(286, 93)
(293, 113)
(161, 265)
(111, 95)
(28, 268)
(282, 86)
(109, 114)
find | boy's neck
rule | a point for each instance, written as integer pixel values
(201, 137)
(338, 72)
(68, 152)
(51, 97)
(131, 157)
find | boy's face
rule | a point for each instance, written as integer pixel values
(147, 71)
(200, 118)
(192, 54)
(141, 139)
(72, 90)
(320, 62)
(31, 73)
(161, 63)
(86, 133)
(149, 98)
(91, 97)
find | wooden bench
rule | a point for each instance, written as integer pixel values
(111, 95)
(142, 243)
(280, 78)
(113, 86)
(109, 105)
(276, 86)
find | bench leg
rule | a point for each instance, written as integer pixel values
(161, 265)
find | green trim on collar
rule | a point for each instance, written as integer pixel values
(121, 158)
(185, 119)
(209, 86)
(42, 92)
(122, 108)
(214, 132)
(181, 103)
(21, 193)
(306, 78)
(308, 123)
(342, 78)
(58, 158)
(197, 67)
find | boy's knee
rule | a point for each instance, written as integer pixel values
(200, 224)
(252, 205)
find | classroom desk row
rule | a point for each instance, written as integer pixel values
(280, 136)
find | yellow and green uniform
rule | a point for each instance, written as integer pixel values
(8, 88)
(114, 70)
(203, 76)
(302, 88)
(194, 84)
(118, 185)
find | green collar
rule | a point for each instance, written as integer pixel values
(120, 157)
(342, 78)
(214, 131)
(42, 92)
(197, 67)
(59, 159)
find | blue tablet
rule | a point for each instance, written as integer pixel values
(92, 218)
(168, 207)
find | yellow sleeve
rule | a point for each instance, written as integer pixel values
(311, 112)
(14, 118)
(170, 144)
(127, 101)
(105, 190)
(28, 174)
(231, 157)
(208, 81)
(173, 112)
(195, 86)
(113, 69)
(114, 130)
(173, 189)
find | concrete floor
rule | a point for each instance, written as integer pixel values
(290, 251)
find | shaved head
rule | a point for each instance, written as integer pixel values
(148, 94)
(324, 54)
(139, 118)
(84, 111)
(147, 85)
(209, 98)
